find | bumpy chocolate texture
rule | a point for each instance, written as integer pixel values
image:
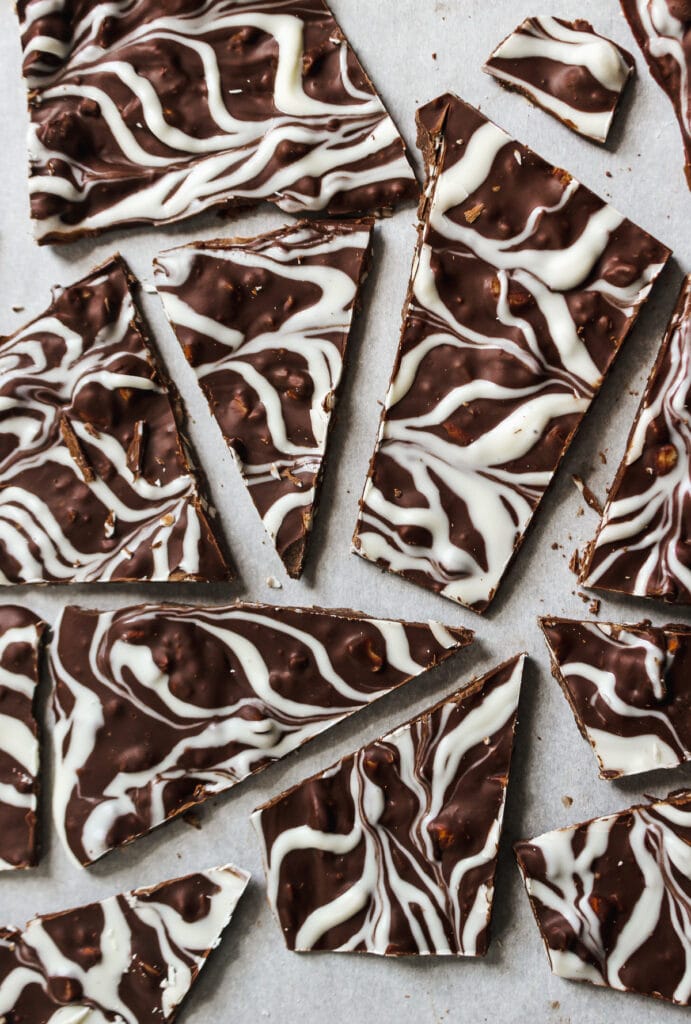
(393, 850)
(264, 322)
(20, 639)
(612, 898)
(151, 111)
(524, 286)
(132, 958)
(567, 69)
(160, 707)
(96, 482)
(663, 31)
(629, 688)
(643, 543)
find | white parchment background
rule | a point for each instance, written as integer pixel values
(252, 977)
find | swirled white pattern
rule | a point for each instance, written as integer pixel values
(612, 898)
(643, 543)
(393, 850)
(265, 322)
(141, 113)
(524, 286)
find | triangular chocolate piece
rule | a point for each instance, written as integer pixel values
(132, 957)
(393, 850)
(643, 544)
(161, 706)
(96, 480)
(264, 323)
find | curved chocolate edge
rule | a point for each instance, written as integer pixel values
(219, 694)
(406, 810)
(586, 882)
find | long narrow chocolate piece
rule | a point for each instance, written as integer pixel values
(663, 31)
(264, 322)
(567, 69)
(20, 641)
(160, 707)
(612, 898)
(524, 286)
(393, 850)
(96, 480)
(643, 544)
(147, 113)
(629, 688)
(132, 958)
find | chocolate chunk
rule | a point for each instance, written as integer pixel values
(629, 688)
(131, 958)
(77, 385)
(662, 29)
(393, 850)
(611, 898)
(160, 707)
(643, 543)
(264, 322)
(566, 69)
(512, 321)
(145, 113)
(20, 640)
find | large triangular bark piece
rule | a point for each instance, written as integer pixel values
(20, 641)
(393, 850)
(525, 284)
(159, 707)
(611, 898)
(264, 323)
(131, 958)
(629, 688)
(643, 544)
(96, 480)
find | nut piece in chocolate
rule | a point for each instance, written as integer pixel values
(611, 898)
(96, 478)
(159, 707)
(643, 544)
(393, 850)
(524, 287)
(566, 69)
(264, 322)
(132, 958)
(146, 113)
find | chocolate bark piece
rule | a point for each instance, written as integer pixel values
(662, 29)
(20, 641)
(524, 286)
(629, 688)
(611, 898)
(393, 850)
(264, 322)
(132, 958)
(643, 543)
(96, 478)
(567, 69)
(159, 707)
(145, 114)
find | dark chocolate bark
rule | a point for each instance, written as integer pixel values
(524, 287)
(96, 479)
(643, 543)
(20, 641)
(393, 850)
(663, 31)
(612, 896)
(151, 111)
(264, 323)
(629, 688)
(567, 69)
(159, 707)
